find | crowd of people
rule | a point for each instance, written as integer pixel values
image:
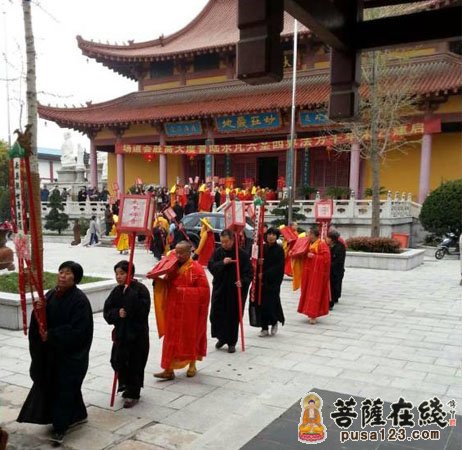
(182, 299)
(84, 194)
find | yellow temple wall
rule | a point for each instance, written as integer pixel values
(160, 86)
(400, 172)
(105, 133)
(453, 104)
(141, 129)
(137, 167)
(206, 80)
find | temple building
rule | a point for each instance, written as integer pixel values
(192, 117)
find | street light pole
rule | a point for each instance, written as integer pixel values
(292, 160)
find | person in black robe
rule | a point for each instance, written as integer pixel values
(337, 266)
(269, 312)
(179, 211)
(60, 361)
(127, 308)
(224, 314)
(158, 241)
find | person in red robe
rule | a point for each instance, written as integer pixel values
(315, 278)
(181, 303)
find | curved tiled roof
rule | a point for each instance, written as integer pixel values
(214, 28)
(430, 75)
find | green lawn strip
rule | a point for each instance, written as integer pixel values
(9, 281)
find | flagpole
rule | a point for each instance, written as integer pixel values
(292, 158)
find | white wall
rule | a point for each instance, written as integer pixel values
(44, 169)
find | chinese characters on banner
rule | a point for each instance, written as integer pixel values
(260, 147)
(246, 122)
(309, 118)
(190, 128)
(137, 212)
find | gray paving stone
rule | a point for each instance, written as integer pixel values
(135, 445)
(167, 437)
(90, 438)
(377, 326)
(431, 368)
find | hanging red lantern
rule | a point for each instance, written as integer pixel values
(149, 157)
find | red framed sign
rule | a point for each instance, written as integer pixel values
(136, 214)
(170, 214)
(324, 210)
(234, 216)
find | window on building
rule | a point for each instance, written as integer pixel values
(161, 69)
(209, 61)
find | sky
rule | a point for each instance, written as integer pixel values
(64, 75)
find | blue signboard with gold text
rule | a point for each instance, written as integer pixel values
(190, 128)
(248, 122)
(309, 118)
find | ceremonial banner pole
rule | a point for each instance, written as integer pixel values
(21, 197)
(235, 221)
(239, 290)
(135, 216)
(170, 214)
(132, 240)
(260, 259)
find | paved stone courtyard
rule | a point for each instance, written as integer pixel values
(393, 334)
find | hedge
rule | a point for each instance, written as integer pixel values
(442, 209)
(373, 244)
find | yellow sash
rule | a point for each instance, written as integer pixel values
(160, 298)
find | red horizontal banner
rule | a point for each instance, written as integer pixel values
(412, 129)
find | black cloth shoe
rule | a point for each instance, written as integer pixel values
(130, 402)
(219, 344)
(78, 422)
(231, 349)
(57, 438)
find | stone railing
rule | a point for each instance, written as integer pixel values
(77, 210)
(393, 207)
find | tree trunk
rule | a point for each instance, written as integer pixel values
(32, 120)
(374, 152)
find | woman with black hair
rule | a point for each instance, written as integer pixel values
(337, 267)
(127, 308)
(60, 358)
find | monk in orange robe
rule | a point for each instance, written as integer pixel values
(315, 293)
(181, 303)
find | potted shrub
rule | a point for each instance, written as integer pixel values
(338, 192)
(307, 191)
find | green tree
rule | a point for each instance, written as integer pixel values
(282, 213)
(56, 220)
(4, 190)
(442, 210)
